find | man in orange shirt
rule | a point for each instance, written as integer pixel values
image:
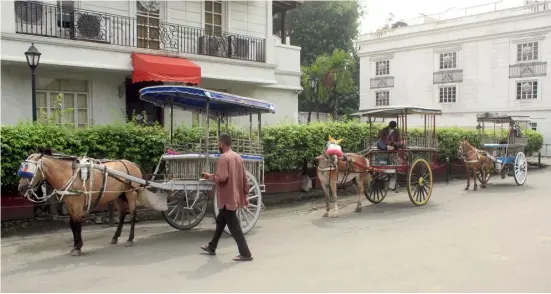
(232, 188)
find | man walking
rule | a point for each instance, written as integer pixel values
(232, 188)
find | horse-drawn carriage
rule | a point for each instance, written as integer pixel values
(183, 164)
(415, 157)
(506, 154)
(176, 188)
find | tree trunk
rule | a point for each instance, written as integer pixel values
(317, 109)
(309, 115)
(335, 117)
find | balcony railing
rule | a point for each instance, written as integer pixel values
(382, 82)
(447, 76)
(76, 24)
(525, 70)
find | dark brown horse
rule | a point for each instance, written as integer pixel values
(97, 188)
(477, 161)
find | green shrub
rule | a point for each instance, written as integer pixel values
(286, 146)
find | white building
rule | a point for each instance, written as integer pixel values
(495, 61)
(88, 49)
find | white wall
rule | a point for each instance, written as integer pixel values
(105, 104)
(484, 53)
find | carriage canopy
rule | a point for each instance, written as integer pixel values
(394, 111)
(196, 99)
(498, 118)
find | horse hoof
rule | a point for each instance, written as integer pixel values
(466, 189)
(75, 252)
(335, 216)
(129, 243)
(325, 215)
(359, 209)
(113, 241)
(475, 189)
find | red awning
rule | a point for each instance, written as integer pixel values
(164, 69)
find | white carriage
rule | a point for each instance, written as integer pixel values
(507, 153)
(183, 164)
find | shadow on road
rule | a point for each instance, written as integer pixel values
(144, 251)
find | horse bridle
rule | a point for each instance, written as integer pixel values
(461, 152)
(37, 166)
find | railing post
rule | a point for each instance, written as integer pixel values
(110, 213)
(539, 158)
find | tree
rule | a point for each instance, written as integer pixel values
(320, 27)
(336, 75)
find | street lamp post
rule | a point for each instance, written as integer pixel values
(314, 81)
(33, 59)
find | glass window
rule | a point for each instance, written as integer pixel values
(213, 18)
(62, 101)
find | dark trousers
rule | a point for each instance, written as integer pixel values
(229, 218)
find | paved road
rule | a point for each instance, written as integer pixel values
(497, 239)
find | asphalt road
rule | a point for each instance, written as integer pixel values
(493, 240)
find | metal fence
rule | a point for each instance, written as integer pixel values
(48, 20)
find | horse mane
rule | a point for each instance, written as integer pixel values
(45, 151)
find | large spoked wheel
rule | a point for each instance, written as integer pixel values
(376, 190)
(248, 216)
(420, 182)
(186, 210)
(521, 169)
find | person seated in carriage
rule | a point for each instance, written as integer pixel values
(389, 138)
(514, 132)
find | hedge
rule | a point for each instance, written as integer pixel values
(286, 147)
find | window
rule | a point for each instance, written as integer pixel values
(382, 68)
(64, 101)
(527, 90)
(534, 126)
(148, 24)
(382, 98)
(448, 60)
(448, 94)
(213, 18)
(527, 51)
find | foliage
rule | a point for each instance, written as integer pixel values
(286, 147)
(320, 27)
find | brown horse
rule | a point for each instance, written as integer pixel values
(98, 188)
(333, 169)
(475, 160)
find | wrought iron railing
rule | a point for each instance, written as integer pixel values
(448, 76)
(529, 69)
(48, 20)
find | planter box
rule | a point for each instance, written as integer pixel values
(282, 182)
(16, 207)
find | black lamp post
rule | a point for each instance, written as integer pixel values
(33, 59)
(314, 81)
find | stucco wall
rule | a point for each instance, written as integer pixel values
(484, 52)
(105, 105)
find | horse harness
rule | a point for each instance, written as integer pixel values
(349, 163)
(86, 173)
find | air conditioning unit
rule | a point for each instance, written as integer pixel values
(213, 46)
(246, 49)
(91, 27)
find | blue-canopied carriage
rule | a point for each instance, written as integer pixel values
(183, 164)
(506, 145)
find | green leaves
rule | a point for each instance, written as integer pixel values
(286, 146)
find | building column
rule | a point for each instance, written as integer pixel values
(270, 58)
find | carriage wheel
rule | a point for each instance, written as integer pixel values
(521, 169)
(376, 191)
(248, 216)
(483, 180)
(186, 210)
(420, 182)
